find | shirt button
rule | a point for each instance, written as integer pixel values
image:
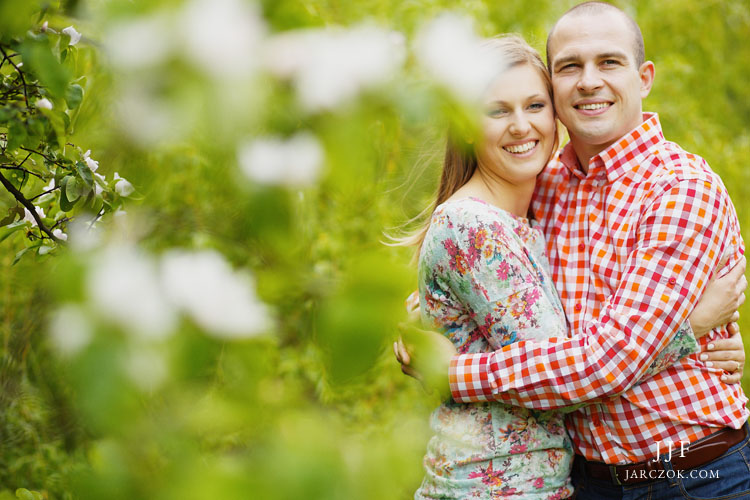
(672, 281)
(578, 307)
(581, 247)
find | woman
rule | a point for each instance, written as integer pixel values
(484, 280)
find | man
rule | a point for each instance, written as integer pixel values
(635, 227)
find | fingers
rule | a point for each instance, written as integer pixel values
(402, 355)
(727, 366)
(733, 328)
(736, 316)
(408, 370)
(732, 378)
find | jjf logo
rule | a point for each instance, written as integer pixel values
(669, 449)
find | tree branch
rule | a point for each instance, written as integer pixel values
(24, 170)
(18, 195)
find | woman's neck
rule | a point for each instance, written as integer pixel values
(513, 198)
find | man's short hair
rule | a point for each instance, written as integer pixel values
(599, 8)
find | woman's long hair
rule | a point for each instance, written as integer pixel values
(460, 161)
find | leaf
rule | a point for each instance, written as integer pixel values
(86, 175)
(18, 257)
(74, 95)
(38, 55)
(6, 112)
(17, 134)
(24, 494)
(6, 231)
(66, 205)
(72, 191)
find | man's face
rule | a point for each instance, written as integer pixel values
(597, 87)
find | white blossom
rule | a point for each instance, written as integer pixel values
(223, 36)
(58, 233)
(84, 236)
(69, 329)
(122, 186)
(30, 218)
(146, 367)
(220, 300)
(141, 42)
(331, 66)
(146, 118)
(271, 160)
(44, 27)
(122, 284)
(93, 165)
(75, 37)
(98, 189)
(43, 103)
(449, 50)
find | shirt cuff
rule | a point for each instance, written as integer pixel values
(470, 378)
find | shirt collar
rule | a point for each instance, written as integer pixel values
(622, 156)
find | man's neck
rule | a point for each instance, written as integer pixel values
(584, 152)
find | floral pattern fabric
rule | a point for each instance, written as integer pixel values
(484, 281)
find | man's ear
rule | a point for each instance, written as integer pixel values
(646, 72)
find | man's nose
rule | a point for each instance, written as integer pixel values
(590, 79)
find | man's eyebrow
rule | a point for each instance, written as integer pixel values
(562, 60)
(613, 55)
(576, 57)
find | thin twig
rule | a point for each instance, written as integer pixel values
(18, 195)
(20, 73)
(26, 171)
(56, 162)
(24, 160)
(44, 192)
(64, 219)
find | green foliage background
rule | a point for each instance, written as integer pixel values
(317, 408)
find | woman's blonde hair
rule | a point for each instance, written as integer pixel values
(460, 161)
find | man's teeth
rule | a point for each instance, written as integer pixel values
(520, 148)
(598, 105)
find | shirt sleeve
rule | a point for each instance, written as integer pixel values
(680, 239)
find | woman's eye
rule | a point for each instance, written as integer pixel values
(537, 106)
(496, 112)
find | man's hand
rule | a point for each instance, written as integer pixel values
(728, 355)
(426, 356)
(719, 303)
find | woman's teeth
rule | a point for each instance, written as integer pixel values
(520, 148)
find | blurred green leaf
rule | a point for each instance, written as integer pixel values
(37, 54)
(74, 95)
(6, 231)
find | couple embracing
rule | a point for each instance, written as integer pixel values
(578, 288)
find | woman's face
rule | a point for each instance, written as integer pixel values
(518, 126)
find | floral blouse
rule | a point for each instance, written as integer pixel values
(484, 281)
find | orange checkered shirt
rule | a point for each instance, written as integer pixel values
(632, 245)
